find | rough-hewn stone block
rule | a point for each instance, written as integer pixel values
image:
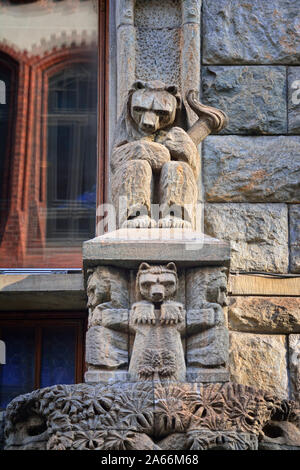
(253, 32)
(253, 97)
(264, 314)
(294, 100)
(294, 364)
(294, 217)
(252, 169)
(258, 234)
(106, 348)
(259, 361)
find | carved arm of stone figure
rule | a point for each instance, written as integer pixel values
(182, 148)
(107, 335)
(210, 119)
(209, 316)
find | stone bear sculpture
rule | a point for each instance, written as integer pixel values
(157, 320)
(156, 161)
(107, 335)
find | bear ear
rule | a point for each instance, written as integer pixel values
(144, 267)
(172, 89)
(138, 85)
(172, 267)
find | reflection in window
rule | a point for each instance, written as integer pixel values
(5, 80)
(39, 355)
(17, 375)
(71, 155)
(58, 356)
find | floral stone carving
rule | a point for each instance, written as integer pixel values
(144, 416)
(154, 160)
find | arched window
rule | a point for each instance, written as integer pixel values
(7, 111)
(5, 78)
(71, 155)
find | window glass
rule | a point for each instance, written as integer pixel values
(5, 97)
(17, 375)
(51, 164)
(71, 155)
(40, 353)
(4, 107)
(58, 356)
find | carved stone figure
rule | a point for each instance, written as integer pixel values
(208, 341)
(107, 335)
(158, 321)
(140, 416)
(155, 160)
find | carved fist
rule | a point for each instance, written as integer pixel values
(143, 312)
(211, 315)
(172, 313)
(95, 317)
(182, 148)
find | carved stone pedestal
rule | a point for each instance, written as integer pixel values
(145, 416)
(160, 318)
(156, 354)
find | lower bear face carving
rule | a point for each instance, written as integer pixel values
(157, 283)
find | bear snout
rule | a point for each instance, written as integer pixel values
(157, 293)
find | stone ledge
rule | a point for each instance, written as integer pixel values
(42, 292)
(128, 247)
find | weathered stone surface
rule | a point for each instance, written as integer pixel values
(107, 335)
(132, 416)
(294, 364)
(259, 361)
(278, 434)
(264, 314)
(211, 375)
(239, 33)
(208, 349)
(251, 169)
(106, 348)
(155, 160)
(207, 334)
(294, 100)
(2, 423)
(158, 40)
(157, 321)
(267, 285)
(295, 258)
(253, 97)
(127, 247)
(294, 218)
(258, 234)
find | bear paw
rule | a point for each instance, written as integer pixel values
(142, 221)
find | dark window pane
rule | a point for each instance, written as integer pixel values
(17, 375)
(58, 356)
(71, 179)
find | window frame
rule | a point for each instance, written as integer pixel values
(38, 320)
(10, 64)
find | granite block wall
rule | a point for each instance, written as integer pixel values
(251, 175)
